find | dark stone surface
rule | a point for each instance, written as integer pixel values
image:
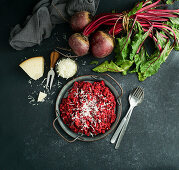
(27, 139)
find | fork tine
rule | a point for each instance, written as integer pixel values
(138, 92)
(51, 82)
(139, 96)
(142, 94)
(48, 78)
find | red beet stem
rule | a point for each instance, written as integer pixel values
(149, 31)
(165, 27)
(116, 31)
(156, 41)
(130, 32)
(153, 5)
(164, 10)
(146, 16)
(145, 3)
(98, 20)
(96, 23)
(156, 19)
(159, 15)
(109, 23)
(144, 19)
(163, 14)
(96, 26)
(164, 36)
(146, 24)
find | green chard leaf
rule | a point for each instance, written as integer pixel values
(125, 65)
(160, 40)
(94, 62)
(135, 9)
(174, 24)
(139, 59)
(106, 66)
(122, 52)
(138, 39)
(152, 66)
(169, 2)
(122, 49)
(174, 21)
(176, 47)
(176, 31)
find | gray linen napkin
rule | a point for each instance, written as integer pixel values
(45, 15)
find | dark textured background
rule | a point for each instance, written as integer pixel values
(27, 139)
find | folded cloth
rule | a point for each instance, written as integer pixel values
(45, 15)
(82, 5)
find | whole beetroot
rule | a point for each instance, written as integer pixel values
(80, 20)
(79, 44)
(102, 44)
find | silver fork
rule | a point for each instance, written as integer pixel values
(135, 98)
(51, 74)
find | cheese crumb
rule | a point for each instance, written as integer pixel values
(41, 97)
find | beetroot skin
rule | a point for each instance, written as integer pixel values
(102, 44)
(80, 20)
(79, 44)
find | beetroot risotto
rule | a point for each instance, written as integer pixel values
(89, 108)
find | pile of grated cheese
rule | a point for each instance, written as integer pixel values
(66, 68)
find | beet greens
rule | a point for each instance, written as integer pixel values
(134, 27)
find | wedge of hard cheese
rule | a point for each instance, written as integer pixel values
(34, 67)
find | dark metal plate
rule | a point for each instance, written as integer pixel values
(63, 93)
